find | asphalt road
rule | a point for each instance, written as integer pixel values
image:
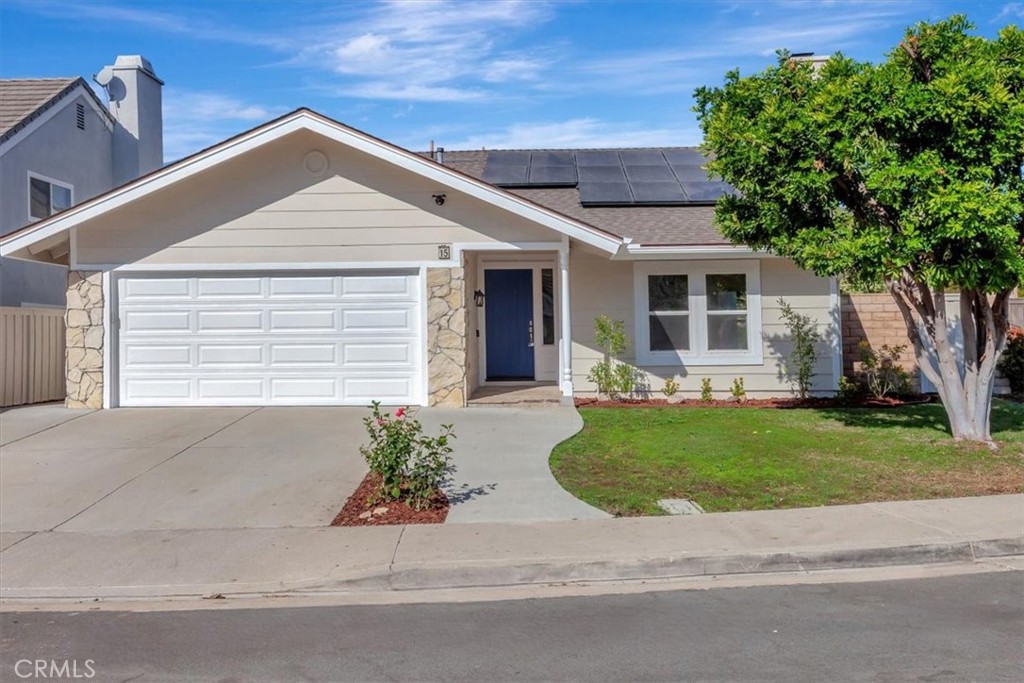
(966, 628)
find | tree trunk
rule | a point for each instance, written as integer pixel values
(965, 390)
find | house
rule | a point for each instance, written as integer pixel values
(305, 262)
(61, 145)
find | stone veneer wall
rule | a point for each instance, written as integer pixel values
(84, 322)
(446, 336)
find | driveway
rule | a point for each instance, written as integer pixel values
(176, 468)
(215, 468)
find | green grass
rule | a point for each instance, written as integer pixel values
(626, 459)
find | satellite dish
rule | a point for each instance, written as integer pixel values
(104, 76)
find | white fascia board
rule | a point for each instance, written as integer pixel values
(305, 121)
(638, 252)
(53, 111)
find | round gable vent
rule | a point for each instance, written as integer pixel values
(316, 163)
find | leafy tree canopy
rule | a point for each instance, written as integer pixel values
(911, 168)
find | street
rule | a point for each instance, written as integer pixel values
(961, 628)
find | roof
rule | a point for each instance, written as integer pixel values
(56, 226)
(647, 225)
(24, 99)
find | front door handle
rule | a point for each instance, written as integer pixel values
(531, 334)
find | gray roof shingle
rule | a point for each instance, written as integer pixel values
(650, 225)
(23, 99)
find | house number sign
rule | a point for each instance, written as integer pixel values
(444, 252)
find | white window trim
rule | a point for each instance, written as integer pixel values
(52, 181)
(698, 353)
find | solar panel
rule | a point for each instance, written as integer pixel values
(553, 159)
(508, 158)
(602, 174)
(505, 175)
(684, 157)
(595, 158)
(650, 174)
(658, 193)
(690, 174)
(597, 193)
(553, 176)
(706, 191)
(642, 157)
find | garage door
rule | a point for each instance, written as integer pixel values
(345, 338)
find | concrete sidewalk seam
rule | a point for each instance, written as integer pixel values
(46, 429)
(147, 471)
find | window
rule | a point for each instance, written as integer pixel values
(46, 197)
(668, 312)
(547, 291)
(698, 313)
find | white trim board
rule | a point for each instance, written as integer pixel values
(306, 120)
(258, 266)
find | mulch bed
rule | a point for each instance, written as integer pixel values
(390, 512)
(782, 403)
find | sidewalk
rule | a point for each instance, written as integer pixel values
(260, 561)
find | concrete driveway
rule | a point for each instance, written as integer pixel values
(176, 468)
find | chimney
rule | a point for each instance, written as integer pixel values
(816, 61)
(135, 101)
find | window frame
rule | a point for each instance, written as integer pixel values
(51, 181)
(697, 272)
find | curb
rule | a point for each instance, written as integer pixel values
(493, 575)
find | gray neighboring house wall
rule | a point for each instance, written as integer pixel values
(58, 131)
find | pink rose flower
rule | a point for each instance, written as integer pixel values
(400, 413)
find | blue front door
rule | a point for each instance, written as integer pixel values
(509, 328)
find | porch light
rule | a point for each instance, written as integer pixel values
(478, 298)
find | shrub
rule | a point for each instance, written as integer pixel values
(612, 376)
(881, 370)
(737, 390)
(706, 394)
(671, 387)
(800, 363)
(409, 464)
(1011, 365)
(848, 390)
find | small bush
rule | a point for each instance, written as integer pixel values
(849, 390)
(800, 363)
(737, 390)
(881, 371)
(671, 387)
(706, 394)
(1011, 364)
(410, 465)
(612, 376)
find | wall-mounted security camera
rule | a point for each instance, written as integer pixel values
(439, 199)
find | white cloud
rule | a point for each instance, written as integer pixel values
(194, 120)
(436, 51)
(578, 133)
(1013, 10)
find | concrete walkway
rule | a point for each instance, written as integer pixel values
(501, 463)
(168, 563)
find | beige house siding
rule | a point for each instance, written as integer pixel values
(600, 286)
(267, 208)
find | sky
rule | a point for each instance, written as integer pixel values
(466, 75)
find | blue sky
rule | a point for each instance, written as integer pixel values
(492, 74)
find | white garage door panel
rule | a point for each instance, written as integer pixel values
(338, 339)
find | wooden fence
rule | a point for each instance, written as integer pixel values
(32, 346)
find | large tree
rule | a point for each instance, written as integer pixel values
(907, 172)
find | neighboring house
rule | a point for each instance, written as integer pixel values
(60, 145)
(306, 263)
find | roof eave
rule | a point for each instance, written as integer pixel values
(293, 122)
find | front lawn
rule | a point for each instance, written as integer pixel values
(626, 459)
